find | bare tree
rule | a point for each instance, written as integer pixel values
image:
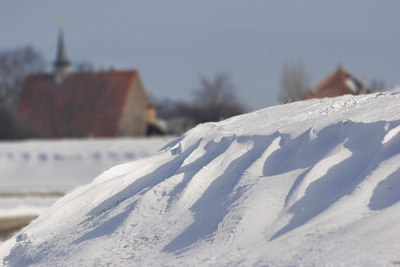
(294, 82)
(172, 115)
(215, 100)
(15, 65)
(376, 86)
(6, 125)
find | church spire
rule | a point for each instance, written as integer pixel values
(61, 64)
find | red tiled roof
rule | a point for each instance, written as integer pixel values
(338, 83)
(84, 104)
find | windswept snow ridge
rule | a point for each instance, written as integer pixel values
(310, 183)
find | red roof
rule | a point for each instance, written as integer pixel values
(338, 83)
(84, 104)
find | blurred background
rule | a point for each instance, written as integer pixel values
(123, 71)
(176, 43)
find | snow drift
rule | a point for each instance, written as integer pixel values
(309, 183)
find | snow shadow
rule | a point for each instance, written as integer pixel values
(107, 227)
(141, 185)
(301, 152)
(145, 183)
(129, 155)
(112, 155)
(173, 143)
(386, 193)
(43, 157)
(58, 157)
(96, 156)
(212, 150)
(210, 210)
(341, 179)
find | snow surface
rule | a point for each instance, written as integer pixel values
(314, 182)
(35, 173)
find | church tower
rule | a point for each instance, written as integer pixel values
(61, 64)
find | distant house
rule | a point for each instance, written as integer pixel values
(100, 104)
(338, 83)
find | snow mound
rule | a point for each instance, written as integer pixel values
(309, 183)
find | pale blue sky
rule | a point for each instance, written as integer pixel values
(173, 43)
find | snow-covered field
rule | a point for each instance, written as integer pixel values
(34, 174)
(309, 183)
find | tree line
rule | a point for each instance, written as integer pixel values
(213, 100)
(15, 65)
